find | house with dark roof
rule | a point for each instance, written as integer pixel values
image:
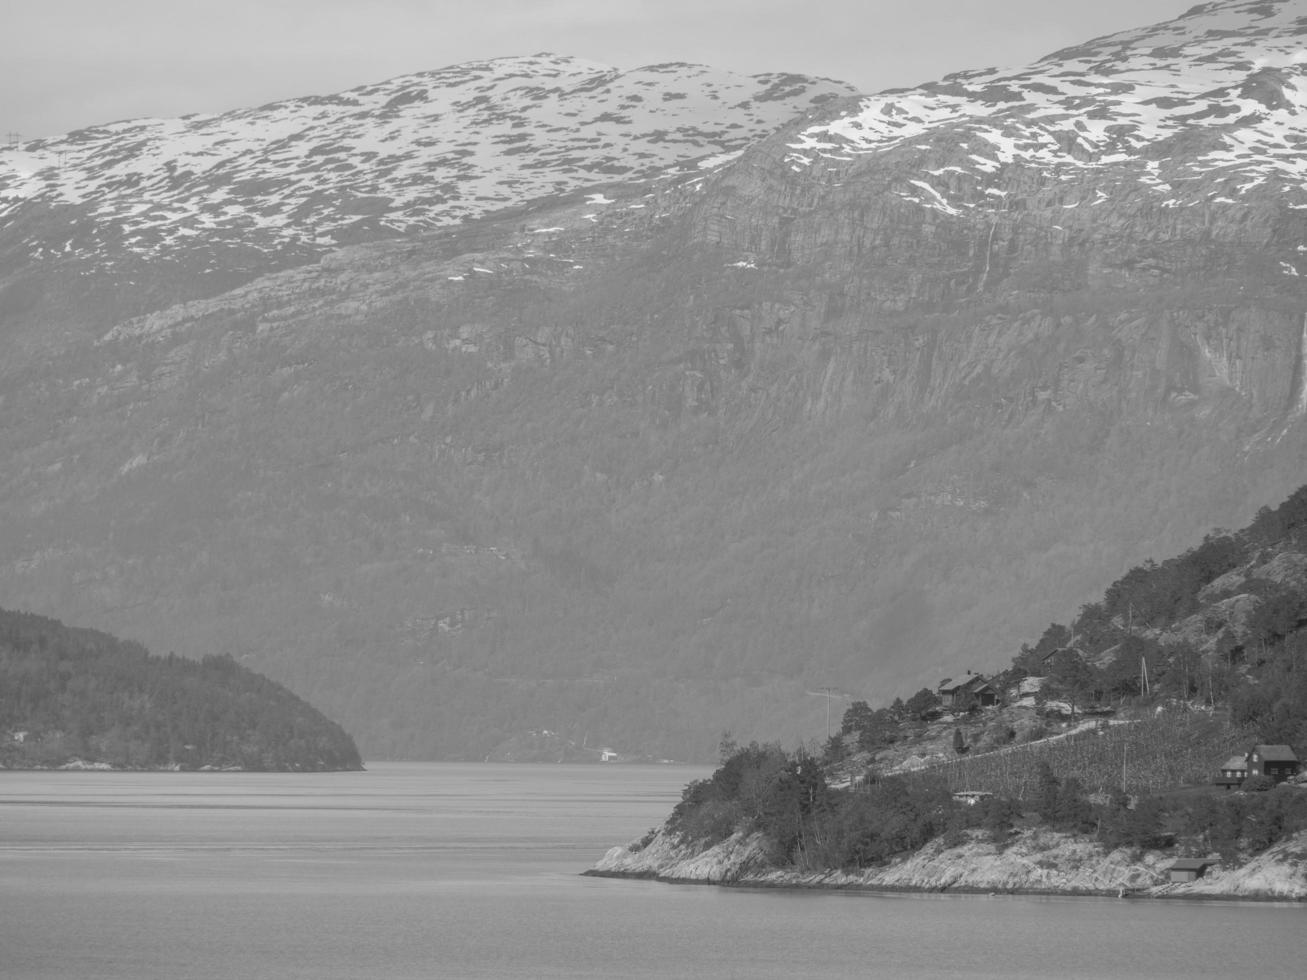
(1279, 762)
(969, 690)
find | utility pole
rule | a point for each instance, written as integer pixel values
(827, 693)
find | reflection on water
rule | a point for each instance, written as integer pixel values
(414, 870)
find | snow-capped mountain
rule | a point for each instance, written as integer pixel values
(1200, 108)
(403, 155)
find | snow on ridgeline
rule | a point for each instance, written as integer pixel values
(1229, 76)
(413, 152)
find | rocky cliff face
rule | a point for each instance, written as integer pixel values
(1119, 225)
(873, 402)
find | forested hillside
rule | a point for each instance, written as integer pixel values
(1182, 664)
(1224, 624)
(77, 696)
(1214, 639)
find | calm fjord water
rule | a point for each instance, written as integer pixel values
(416, 870)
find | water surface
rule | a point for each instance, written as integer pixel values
(441, 870)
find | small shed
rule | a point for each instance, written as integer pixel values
(1279, 762)
(971, 796)
(1188, 869)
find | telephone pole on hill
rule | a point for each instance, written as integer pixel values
(827, 693)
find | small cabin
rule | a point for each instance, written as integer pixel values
(1188, 869)
(1279, 762)
(972, 689)
(970, 797)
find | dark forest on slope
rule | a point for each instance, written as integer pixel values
(75, 694)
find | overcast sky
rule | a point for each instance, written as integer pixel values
(72, 63)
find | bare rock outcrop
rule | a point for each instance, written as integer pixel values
(1033, 862)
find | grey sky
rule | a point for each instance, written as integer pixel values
(73, 63)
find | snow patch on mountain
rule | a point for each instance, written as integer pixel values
(411, 153)
(1219, 93)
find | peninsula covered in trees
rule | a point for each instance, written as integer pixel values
(81, 698)
(1099, 758)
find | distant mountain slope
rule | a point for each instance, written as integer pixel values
(399, 156)
(82, 697)
(643, 461)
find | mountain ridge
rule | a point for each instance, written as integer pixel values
(393, 157)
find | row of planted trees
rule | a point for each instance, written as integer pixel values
(1148, 755)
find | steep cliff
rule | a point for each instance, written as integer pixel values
(1120, 227)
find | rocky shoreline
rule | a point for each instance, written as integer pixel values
(1034, 862)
